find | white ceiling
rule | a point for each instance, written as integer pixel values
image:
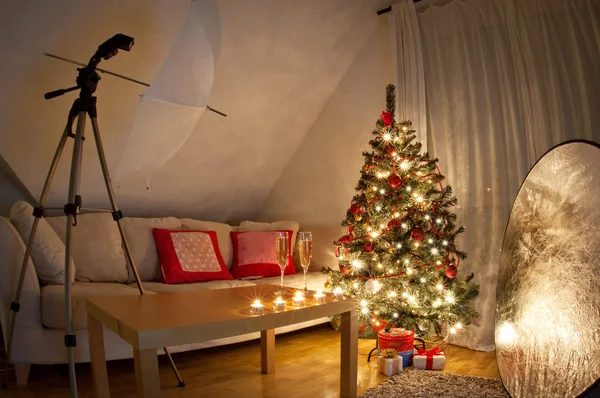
(280, 61)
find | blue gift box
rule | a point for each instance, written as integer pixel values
(407, 357)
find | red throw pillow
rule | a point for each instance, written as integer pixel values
(189, 256)
(254, 254)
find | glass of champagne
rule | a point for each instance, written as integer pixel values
(282, 251)
(305, 249)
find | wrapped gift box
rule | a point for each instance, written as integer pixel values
(389, 366)
(433, 359)
(407, 357)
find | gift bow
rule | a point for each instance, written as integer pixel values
(430, 353)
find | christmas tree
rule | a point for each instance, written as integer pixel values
(399, 256)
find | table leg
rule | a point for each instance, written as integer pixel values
(147, 377)
(267, 351)
(98, 357)
(349, 355)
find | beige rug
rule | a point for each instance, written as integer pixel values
(426, 384)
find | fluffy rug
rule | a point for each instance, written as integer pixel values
(427, 384)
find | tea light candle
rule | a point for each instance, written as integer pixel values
(298, 299)
(319, 297)
(257, 306)
(339, 292)
(279, 303)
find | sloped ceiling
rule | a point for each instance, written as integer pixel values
(279, 63)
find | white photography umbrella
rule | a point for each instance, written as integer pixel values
(171, 107)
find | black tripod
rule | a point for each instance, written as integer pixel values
(87, 82)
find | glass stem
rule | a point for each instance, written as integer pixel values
(282, 270)
(305, 280)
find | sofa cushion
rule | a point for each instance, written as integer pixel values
(190, 256)
(96, 246)
(53, 302)
(276, 225)
(254, 254)
(222, 231)
(315, 281)
(47, 251)
(141, 242)
(158, 287)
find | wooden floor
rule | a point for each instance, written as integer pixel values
(306, 363)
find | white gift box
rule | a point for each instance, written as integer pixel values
(430, 362)
(389, 366)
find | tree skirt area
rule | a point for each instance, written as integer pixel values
(426, 384)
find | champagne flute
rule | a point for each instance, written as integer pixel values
(282, 251)
(305, 249)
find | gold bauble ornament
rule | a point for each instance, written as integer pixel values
(327, 285)
(357, 217)
(391, 250)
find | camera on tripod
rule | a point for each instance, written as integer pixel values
(87, 79)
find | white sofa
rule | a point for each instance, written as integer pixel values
(100, 269)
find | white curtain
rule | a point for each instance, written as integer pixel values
(408, 68)
(505, 81)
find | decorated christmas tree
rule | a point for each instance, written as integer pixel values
(399, 256)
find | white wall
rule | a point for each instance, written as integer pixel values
(318, 183)
(280, 61)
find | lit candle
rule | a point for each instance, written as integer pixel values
(257, 306)
(279, 303)
(319, 297)
(298, 299)
(339, 292)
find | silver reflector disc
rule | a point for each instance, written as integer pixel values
(548, 294)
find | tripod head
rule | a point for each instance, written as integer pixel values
(87, 79)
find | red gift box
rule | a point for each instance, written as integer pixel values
(398, 339)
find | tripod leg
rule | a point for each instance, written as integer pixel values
(71, 209)
(117, 216)
(38, 213)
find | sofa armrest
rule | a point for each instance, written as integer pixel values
(12, 250)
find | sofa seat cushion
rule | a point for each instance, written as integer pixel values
(53, 302)
(315, 281)
(97, 249)
(138, 232)
(158, 287)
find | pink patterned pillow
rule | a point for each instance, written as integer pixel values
(254, 254)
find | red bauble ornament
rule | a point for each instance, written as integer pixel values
(355, 208)
(394, 180)
(387, 117)
(417, 234)
(451, 271)
(389, 149)
(394, 223)
(362, 327)
(381, 326)
(369, 247)
(345, 270)
(345, 239)
(350, 229)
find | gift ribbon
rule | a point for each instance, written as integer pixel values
(429, 354)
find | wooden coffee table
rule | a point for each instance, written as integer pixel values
(161, 320)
